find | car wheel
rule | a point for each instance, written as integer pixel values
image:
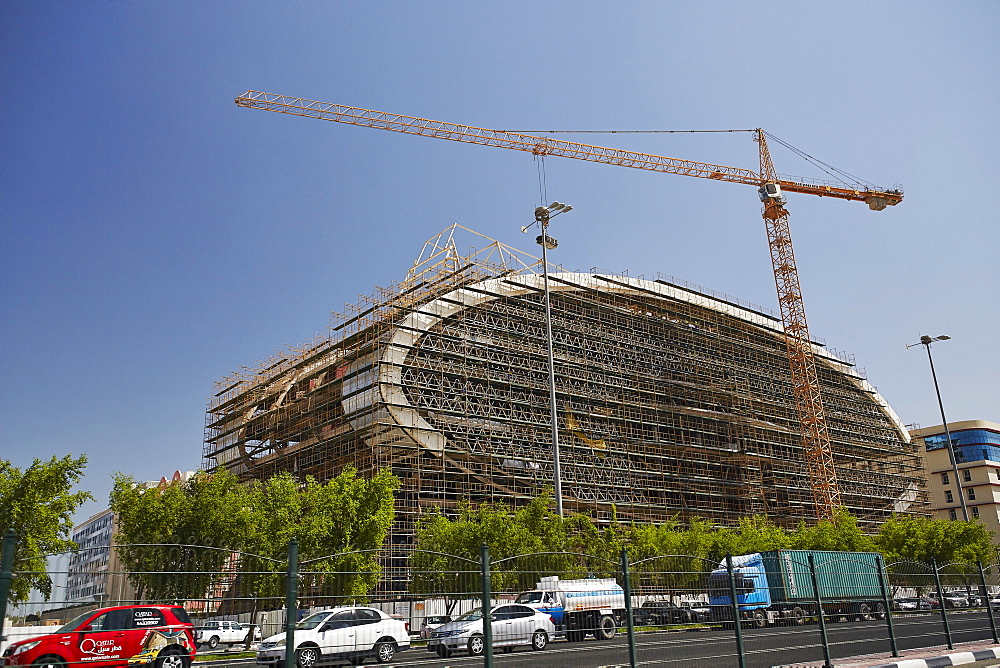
(50, 661)
(384, 651)
(477, 645)
(539, 639)
(213, 642)
(173, 660)
(306, 657)
(607, 629)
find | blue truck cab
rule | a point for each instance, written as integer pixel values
(752, 591)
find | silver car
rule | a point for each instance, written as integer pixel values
(513, 625)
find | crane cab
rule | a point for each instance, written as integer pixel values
(770, 191)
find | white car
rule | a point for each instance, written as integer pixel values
(430, 623)
(513, 625)
(215, 633)
(346, 634)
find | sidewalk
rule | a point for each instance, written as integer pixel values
(981, 652)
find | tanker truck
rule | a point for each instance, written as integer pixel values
(593, 606)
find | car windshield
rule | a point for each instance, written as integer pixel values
(312, 621)
(73, 625)
(529, 597)
(437, 620)
(472, 615)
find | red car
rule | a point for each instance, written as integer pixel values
(161, 636)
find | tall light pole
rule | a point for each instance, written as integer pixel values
(926, 341)
(542, 216)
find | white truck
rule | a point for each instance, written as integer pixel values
(224, 632)
(594, 606)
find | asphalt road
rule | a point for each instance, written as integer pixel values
(717, 649)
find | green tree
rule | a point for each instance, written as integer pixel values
(38, 503)
(175, 540)
(839, 534)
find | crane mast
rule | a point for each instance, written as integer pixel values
(802, 362)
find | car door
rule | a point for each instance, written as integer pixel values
(106, 640)
(337, 636)
(368, 628)
(522, 617)
(503, 626)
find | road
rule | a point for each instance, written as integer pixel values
(699, 648)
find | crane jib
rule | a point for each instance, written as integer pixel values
(545, 146)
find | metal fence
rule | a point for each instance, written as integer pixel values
(753, 610)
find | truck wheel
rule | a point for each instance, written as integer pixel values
(607, 629)
(880, 611)
(213, 642)
(539, 639)
(798, 617)
(759, 619)
(477, 645)
(384, 651)
(864, 613)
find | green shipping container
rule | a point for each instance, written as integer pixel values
(839, 575)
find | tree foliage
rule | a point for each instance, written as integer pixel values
(39, 503)
(178, 541)
(670, 556)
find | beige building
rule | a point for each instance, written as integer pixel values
(977, 454)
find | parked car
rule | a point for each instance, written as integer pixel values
(513, 625)
(431, 623)
(700, 611)
(952, 599)
(912, 603)
(351, 633)
(661, 613)
(120, 636)
(225, 632)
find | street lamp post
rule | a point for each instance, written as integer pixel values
(542, 216)
(926, 341)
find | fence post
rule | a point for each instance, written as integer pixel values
(822, 618)
(883, 583)
(986, 595)
(484, 557)
(737, 622)
(629, 624)
(291, 602)
(940, 597)
(6, 574)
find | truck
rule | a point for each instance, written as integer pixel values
(215, 633)
(776, 587)
(592, 606)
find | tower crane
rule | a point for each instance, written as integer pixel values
(770, 189)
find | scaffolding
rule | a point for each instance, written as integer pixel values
(673, 402)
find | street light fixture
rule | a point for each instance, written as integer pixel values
(926, 341)
(543, 215)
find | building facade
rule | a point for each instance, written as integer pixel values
(672, 402)
(977, 456)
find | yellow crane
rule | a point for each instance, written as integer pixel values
(770, 189)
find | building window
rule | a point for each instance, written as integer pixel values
(975, 511)
(948, 498)
(971, 493)
(998, 473)
(944, 477)
(967, 475)
(953, 514)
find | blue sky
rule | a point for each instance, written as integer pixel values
(157, 237)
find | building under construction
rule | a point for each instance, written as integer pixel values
(672, 402)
